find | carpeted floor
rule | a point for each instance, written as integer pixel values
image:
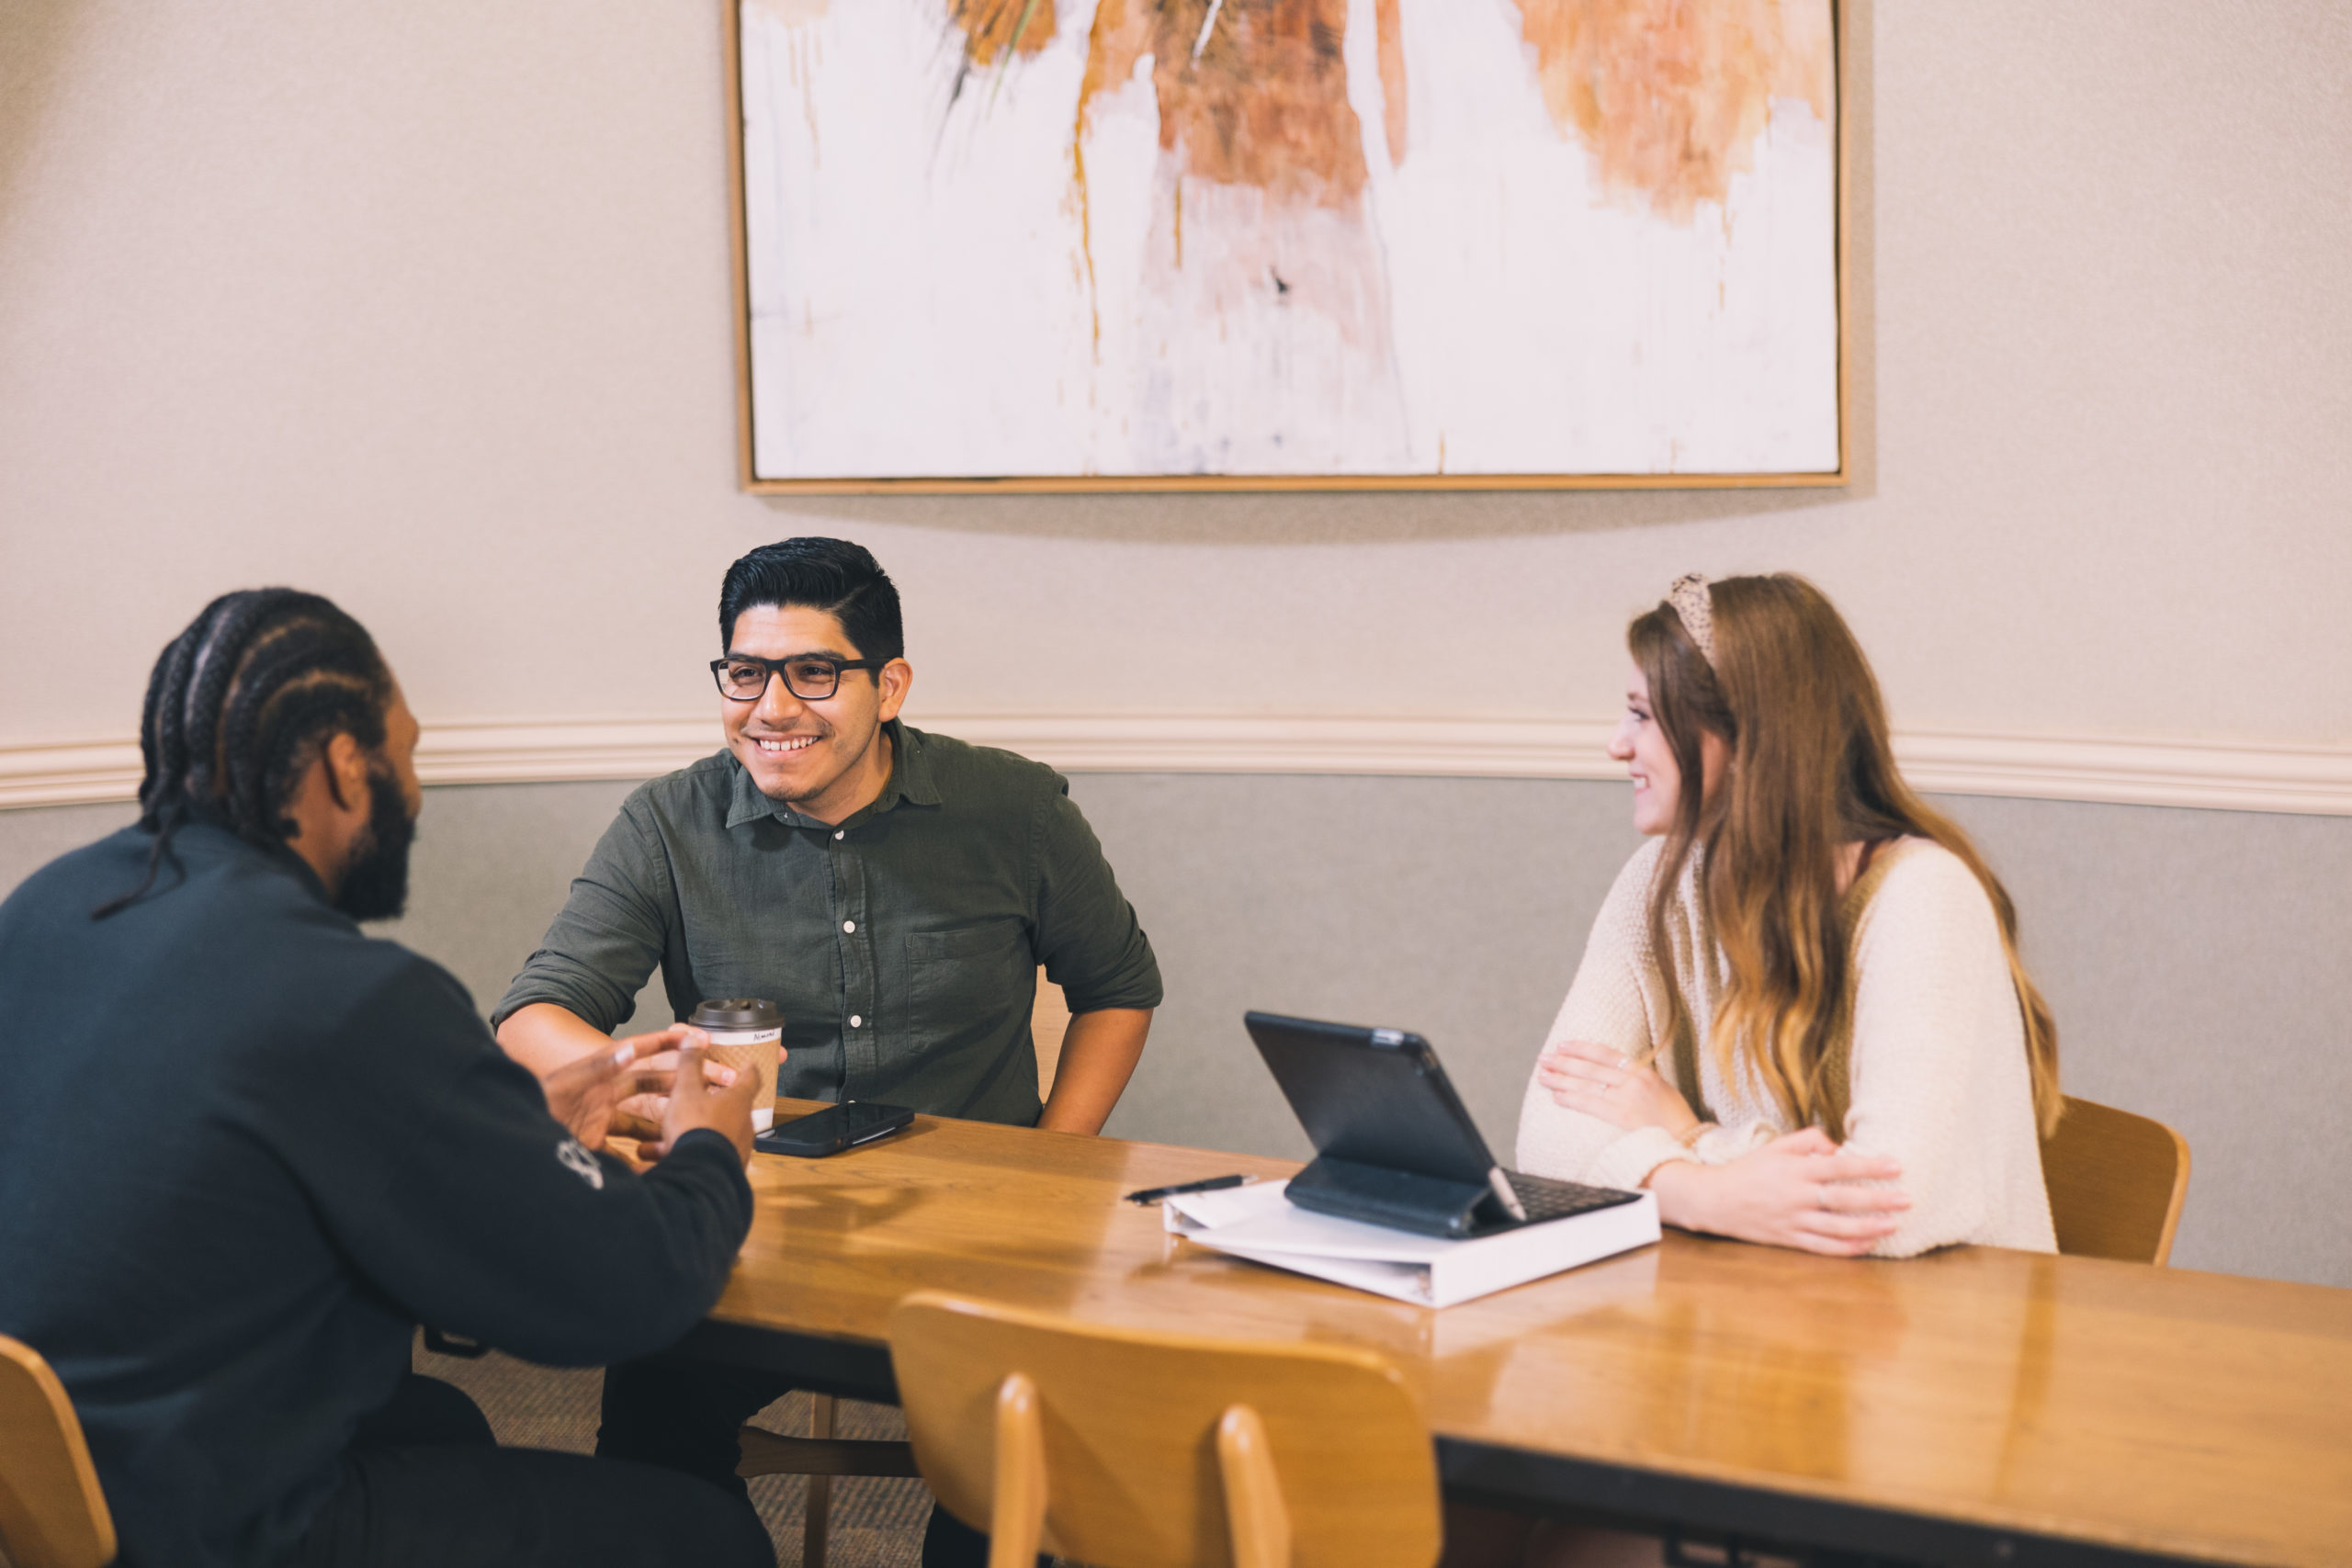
(876, 1523)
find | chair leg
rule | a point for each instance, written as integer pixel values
(820, 1488)
(1254, 1515)
(1017, 1509)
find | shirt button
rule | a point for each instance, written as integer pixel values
(840, 832)
(849, 925)
(855, 1021)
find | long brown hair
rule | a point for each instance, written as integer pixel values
(1810, 768)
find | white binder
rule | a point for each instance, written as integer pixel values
(1260, 1223)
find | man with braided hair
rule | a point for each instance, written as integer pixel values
(308, 1143)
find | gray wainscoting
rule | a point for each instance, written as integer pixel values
(2195, 958)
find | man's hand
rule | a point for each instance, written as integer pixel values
(707, 1095)
(584, 1093)
(1794, 1191)
(1600, 1081)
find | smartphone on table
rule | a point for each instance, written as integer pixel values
(833, 1129)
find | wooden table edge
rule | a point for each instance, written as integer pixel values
(859, 1367)
(1499, 1474)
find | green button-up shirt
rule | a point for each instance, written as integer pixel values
(901, 944)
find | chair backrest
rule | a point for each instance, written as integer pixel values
(51, 1512)
(1048, 1021)
(1135, 1450)
(2116, 1183)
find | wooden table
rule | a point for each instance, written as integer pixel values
(1977, 1405)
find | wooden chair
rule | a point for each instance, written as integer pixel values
(51, 1513)
(2116, 1183)
(1048, 1021)
(1128, 1448)
(821, 1456)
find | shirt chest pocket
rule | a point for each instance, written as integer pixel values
(966, 978)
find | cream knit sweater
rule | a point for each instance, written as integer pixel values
(1938, 1074)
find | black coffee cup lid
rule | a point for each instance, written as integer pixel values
(737, 1012)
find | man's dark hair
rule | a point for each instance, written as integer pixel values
(831, 575)
(237, 706)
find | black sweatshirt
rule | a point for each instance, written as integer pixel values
(245, 1149)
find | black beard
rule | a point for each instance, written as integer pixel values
(375, 884)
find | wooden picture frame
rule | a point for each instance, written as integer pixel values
(751, 481)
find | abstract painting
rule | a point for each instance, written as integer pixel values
(1148, 243)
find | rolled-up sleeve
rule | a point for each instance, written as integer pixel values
(1087, 936)
(608, 938)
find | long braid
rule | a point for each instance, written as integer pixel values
(163, 804)
(166, 691)
(235, 708)
(218, 659)
(275, 657)
(149, 741)
(159, 748)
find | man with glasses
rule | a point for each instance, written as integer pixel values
(892, 891)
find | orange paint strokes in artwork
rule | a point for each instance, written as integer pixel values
(1669, 94)
(987, 26)
(1086, 231)
(1264, 105)
(1122, 33)
(1251, 100)
(1389, 31)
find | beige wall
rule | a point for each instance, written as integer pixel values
(2194, 959)
(426, 306)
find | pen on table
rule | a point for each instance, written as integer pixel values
(1154, 1194)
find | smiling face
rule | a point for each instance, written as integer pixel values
(1639, 742)
(825, 759)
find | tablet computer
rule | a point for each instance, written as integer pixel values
(1394, 1143)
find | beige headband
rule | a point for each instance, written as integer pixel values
(1697, 607)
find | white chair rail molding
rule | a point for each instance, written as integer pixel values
(2216, 775)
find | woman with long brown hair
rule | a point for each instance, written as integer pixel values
(1801, 1018)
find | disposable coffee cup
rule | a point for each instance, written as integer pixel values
(747, 1035)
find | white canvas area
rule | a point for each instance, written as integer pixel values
(937, 291)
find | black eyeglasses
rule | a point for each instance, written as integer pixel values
(743, 677)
